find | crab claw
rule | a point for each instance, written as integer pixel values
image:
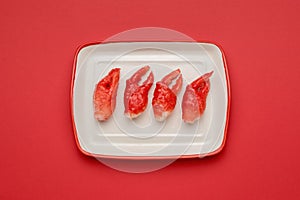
(164, 98)
(105, 95)
(194, 98)
(135, 95)
(167, 80)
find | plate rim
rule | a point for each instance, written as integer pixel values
(218, 150)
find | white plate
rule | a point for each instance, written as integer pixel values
(145, 137)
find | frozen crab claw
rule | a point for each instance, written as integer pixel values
(135, 95)
(164, 98)
(194, 98)
(105, 95)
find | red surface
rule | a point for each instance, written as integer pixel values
(39, 157)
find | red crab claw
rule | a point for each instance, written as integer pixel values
(136, 96)
(194, 98)
(164, 98)
(105, 95)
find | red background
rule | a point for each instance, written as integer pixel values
(39, 158)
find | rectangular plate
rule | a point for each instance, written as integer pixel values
(145, 138)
